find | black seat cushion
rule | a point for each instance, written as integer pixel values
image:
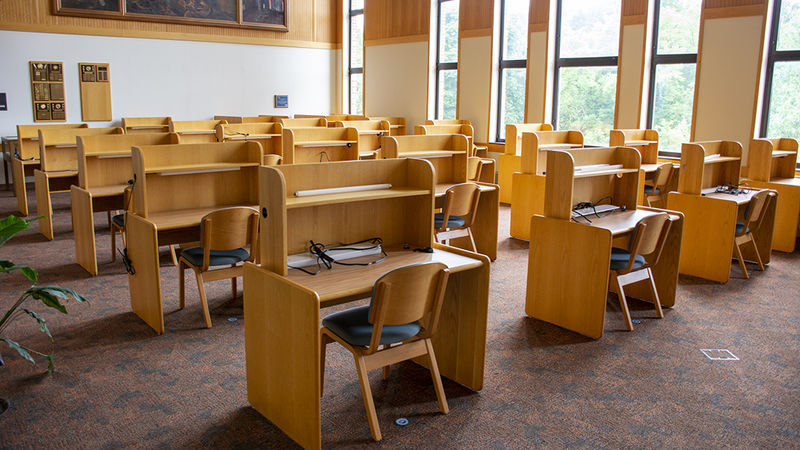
(352, 325)
(651, 190)
(620, 258)
(452, 221)
(119, 220)
(216, 257)
(740, 228)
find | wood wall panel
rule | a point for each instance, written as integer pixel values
(634, 7)
(709, 4)
(390, 19)
(312, 23)
(539, 12)
(475, 15)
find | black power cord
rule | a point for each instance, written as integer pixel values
(321, 251)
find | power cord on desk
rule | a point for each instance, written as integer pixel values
(589, 205)
(321, 251)
(730, 189)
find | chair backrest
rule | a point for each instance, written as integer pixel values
(474, 168)
(661, 178)
(461, 200)
(228, 229)
(272, 159)
(408, 294)
(756, 209)
(648, 238)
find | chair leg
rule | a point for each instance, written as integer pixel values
(172, 253)
(741, 260)
(203, 301)
(437, 378)
(113, 244)
(472, 240)
(386, 368)
(108, 216)
(233, 283)
(656, 300)
(649, 202)
(758, 255)
(623, 303)
(366, 392)
(181, 285)
(323, 348)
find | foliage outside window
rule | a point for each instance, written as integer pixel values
(677, 29)
(447, 60)
(781, 116)
(513, 61)
(356, 64)
(587, 42)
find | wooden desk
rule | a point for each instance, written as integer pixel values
(59, 168)
(568, 263)
(200, 178)
(396, 124)
(146, 124)
(527, 194)
(269, 135)
(711, 218)
(511, 160)
(104, 169)
(317, 144)
(26, 158)
(448, 155)
(771, 165)
(282, 307)
(304, 122)
(196, 131)
(465, 129)
(369, 135)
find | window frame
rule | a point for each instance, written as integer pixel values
(439, 64)
(506, 64)
(655, 60)
(350, 69)
(583, 61)
(774, 55)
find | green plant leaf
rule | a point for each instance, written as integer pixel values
(42, 323)
(51, 366)
(47, 298)
(10, 226)
(30, 273)
(20, 349)
(6, 265)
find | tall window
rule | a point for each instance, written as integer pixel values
(781, 116)
(356, 64)
(513, 55)
(587, 43)
(677, 28)
(447, 60)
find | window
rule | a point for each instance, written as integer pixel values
(513, 59)
(781, 117)
(447, 60)
(672, 72)
(587, 42)
(356, 64)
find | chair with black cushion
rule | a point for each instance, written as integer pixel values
(458, 213)
(658, 190)
(754, 215)
(397, 325)
(633, 264)
(224, 234)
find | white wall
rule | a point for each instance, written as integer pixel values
(396, 81)
(154, 77)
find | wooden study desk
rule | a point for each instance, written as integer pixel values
(369, 135)
(771, 165)
(26, 158)
(59, 168)
(196, 131)
(396, 124)
(569, 259)
(465, 129)
(510, 160)
(448, 155)
(199, 178)
(147, 125)
(282, 306)
(104, 168)
(710, 217)
(318, 144)
(268, 134)
(529, 181)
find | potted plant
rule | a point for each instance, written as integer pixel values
(51, 296)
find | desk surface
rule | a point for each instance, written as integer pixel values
(345, 281)
(649, 168)
(619, 222)
(740, 199)
(183, 218)
(786, 181)
(107, 191)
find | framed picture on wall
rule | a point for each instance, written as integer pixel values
(281, 101)
(269, 14)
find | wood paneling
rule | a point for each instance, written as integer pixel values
(475, 15)
(634, 7)
(312, 23)
(708, 4)
(718, 9)
(539, 15)
(391, 19)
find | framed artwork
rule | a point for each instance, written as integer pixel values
(269, 14)
(281, 101)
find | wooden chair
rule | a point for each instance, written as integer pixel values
(475, 167)
(632, 265)
(458, 213)
(402, 317)
(752, 221)
(272, 159)
(658, 191)
(223, 235)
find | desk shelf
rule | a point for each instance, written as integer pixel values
(604, 172)
(194, 168)
(348, 197)
(720, 159)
